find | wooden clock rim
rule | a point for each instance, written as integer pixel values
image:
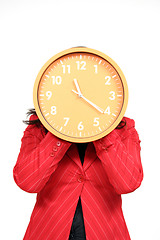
(62, 54)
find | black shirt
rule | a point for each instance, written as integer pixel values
(77, 229)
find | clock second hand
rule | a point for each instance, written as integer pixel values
(92, 104)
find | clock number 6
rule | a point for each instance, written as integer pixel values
(80, 126)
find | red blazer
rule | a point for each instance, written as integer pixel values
(51, 167)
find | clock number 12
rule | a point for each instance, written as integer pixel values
(112, 95)
(81, 65)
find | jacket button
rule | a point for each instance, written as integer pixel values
(80, 178)
(55, 149)
(58, 144)
(52, 154)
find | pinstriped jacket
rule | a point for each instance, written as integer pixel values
(51, 167)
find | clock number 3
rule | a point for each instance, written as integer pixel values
(112, 95)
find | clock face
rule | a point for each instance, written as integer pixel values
(80, 95)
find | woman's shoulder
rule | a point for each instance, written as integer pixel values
(33, 117)
(129, 122)
(34, 126)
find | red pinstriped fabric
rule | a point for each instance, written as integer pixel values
(51, 168)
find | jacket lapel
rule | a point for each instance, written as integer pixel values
(90, 155)
(74, 155)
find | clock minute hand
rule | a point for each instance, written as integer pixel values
(92, 104)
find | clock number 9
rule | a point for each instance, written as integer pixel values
(53, 110)
(48, 94)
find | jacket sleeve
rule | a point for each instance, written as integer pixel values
(119, 152)
(38, 158)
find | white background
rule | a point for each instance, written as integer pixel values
(33, 31)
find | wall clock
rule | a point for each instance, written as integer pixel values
(80, 95)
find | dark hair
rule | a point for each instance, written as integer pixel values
(32, 111)
(121, 124)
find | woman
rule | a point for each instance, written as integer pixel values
(78, 186)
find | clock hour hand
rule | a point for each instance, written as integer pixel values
(92, 104)
(77, 86)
